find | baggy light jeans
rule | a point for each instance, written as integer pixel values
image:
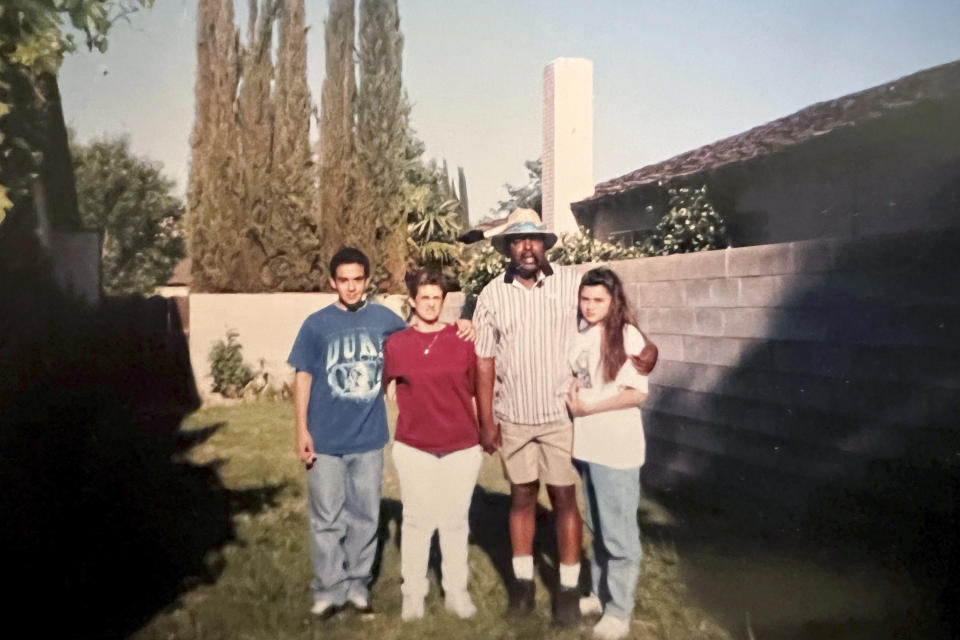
(343, 505)
(436, 493)
(612, 498)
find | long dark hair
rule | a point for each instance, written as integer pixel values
(612, 353)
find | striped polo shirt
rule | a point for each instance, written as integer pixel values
(526, 331)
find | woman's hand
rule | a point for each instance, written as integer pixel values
(490, 438)
(577, 407)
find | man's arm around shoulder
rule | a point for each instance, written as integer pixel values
(646, 360)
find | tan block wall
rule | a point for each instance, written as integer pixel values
(267, 324)
(802, 369)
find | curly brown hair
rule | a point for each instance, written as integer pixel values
(424, 276)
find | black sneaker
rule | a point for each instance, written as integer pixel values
(566, 607)
(522, 594)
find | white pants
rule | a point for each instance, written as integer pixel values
(436, 494)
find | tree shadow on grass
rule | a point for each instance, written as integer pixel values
(106, 520)
(771, 575)
(834, 433)
(391, 511)
(490, 531)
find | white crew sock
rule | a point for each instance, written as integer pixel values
(523, 567)
(569, 575)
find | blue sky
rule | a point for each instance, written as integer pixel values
(668, 76)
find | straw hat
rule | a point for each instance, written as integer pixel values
(522, 222)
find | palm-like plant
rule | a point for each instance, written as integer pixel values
(433, 226)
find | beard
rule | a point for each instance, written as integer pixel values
(529, 271)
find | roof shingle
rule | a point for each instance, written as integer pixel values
(936, 83)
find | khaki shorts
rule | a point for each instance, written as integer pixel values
(538, 451)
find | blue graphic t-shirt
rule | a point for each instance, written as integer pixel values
(343, 351)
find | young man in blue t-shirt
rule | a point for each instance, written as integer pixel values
(341, 429)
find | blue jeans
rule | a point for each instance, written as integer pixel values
(612, 498)
(343, 504)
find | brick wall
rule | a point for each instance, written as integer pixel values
(802, 370)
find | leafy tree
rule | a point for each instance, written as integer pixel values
(381, 129)
(33, 40)
(690, 224)
(527, 196)
(133, 202)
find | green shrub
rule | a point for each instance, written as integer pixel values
(690, 224)
(577, 248)
(486, 263)
(482, 265)
(229, 372)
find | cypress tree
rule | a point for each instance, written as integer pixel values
(204, 94)
(337, 158)
(251, 224)
(447, 186)
(296, 263)
(292, 102)
(249, 270)
(381, 137)
(464, 209)
(214, 175)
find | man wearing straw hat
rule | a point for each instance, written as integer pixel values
(524, 320)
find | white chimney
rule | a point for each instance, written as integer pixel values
(567, 140)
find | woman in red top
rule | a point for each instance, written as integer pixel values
(436, 450)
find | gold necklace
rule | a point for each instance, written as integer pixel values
(429, 346)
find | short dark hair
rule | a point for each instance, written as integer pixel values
(424, 276)
(349, 255)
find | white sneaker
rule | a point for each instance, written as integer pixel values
(460, 605)
(411, 609)
(610, 628)
(323, 608)
(362, 606)
(590, 605)
(358, 601)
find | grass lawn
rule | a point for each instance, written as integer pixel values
(261, 585)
